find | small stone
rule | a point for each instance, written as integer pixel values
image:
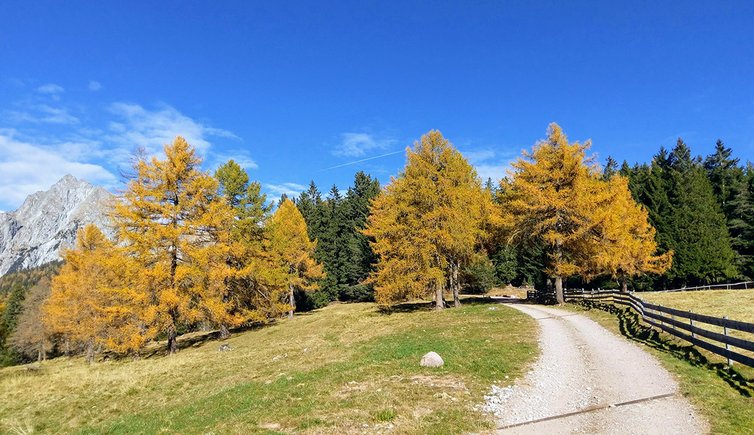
(225, 347)
(432, 359)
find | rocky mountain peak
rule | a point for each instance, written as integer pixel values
(47, 222)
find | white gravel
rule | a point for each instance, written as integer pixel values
(582, 365)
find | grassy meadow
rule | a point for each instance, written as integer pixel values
(345, 369)
(736, 304)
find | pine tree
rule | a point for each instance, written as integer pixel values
(290, 246)
(611, 168)
(741, 222)
(174, 224)
(724, 174)
(696, 229)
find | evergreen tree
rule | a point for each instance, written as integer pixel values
(695, 227)
(741, 222)
(611, 168)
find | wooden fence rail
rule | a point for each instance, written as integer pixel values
(681, 324)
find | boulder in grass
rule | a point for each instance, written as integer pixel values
(432, 359)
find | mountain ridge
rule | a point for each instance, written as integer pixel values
(47, 222)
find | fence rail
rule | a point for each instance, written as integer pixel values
(744, 285)
(682, 324)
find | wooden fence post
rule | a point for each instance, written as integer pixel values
(691, 322)
(725, 332)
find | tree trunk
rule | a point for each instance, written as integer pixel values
(624, 285)
(292, 301)
(559, 290)
(172, 340)
(456, 285)
(90, 352)
(224, 332)
(439, 302)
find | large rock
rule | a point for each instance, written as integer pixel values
(432, 359)
(47, 223)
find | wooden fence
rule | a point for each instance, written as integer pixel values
(682, 324)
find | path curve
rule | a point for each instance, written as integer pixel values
(588, 380)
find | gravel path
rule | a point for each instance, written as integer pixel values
(586, 370)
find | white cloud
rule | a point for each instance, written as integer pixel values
(241, 157)
(26, 168)
(479, 156)
(290, 189)
(137, 127)
(488, 164)
(358, 144)
(94, 86)
(42, 113)
(50, 89)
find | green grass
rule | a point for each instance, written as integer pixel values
(344, 369)
(719, 395)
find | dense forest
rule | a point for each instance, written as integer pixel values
(200, 251)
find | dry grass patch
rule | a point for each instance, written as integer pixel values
(347, 368)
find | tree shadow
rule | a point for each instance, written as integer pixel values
(411, 307)
(630, 326)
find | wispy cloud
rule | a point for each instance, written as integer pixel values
(94, 86)
(138, 127)
(290, 189)
(50, 89)
(43, 113)
(359, 144)
(488, 163)
(27, 167)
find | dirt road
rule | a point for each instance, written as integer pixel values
(588, 380)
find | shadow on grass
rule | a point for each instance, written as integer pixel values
(192, 339)
(630, 326)
(410, 307)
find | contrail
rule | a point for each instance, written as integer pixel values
(362, 160)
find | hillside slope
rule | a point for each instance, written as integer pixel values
(345, 369)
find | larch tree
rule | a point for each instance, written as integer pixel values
(32, 337)
(426, 224)
(255, 279)
(290, 246)
(92, 303)
(551, 196)
(173, 224)
(624, 241)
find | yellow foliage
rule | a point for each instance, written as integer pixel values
(291, 249)
(91, 303)
(590, 226)
(427, 223)
(175, 228)
(625, 242)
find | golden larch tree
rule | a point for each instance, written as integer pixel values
(624, 244)
(427, 223)
(552, 195)
(174, 226)
(92, 304)
(290, 246)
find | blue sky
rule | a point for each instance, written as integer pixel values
(297, 90)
